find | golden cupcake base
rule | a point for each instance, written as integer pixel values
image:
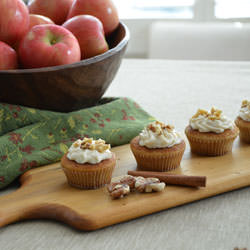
(244, 127)
(210, 143)
(88, 176)
(159, 159)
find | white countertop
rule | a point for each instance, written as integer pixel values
(171, 91)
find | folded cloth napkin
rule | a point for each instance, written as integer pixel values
(32, 137)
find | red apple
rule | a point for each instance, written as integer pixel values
(104, 10)
(56, 10)
(48, 45)
(90, 34)
(14, 20)
(39, 19)
(8, 57)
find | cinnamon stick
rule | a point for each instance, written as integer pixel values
(183, 180)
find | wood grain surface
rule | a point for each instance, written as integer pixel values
(45, 193)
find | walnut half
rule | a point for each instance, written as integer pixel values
(129, 180)
(118, 190)
(148, 185)
(123, 185)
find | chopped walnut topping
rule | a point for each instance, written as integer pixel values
(87, 145)
(245, 104)
(215, 114)
(152, 128)
(158, 127)
(87, 140)
(76, 145)
(148, 185)
(118, 190)
(200, 112)
(99, 145)
(169, 127)
(99, 141)
(102, 147)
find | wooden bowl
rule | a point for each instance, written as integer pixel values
(67, 87)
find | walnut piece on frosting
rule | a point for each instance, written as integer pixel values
(89, 143)
(158, 127)
(245, 103)
(123, 185)
(199, 112)
(214, 114)
(76, 144)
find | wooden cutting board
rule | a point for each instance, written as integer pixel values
(44, 192)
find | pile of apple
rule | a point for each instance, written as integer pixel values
(53, 32)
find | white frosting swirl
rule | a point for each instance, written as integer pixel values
(244, 113)
(204, 124)
(159, 137)
(82, 156)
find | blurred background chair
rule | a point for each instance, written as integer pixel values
(199, 41)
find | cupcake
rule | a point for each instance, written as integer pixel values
(211, 133)
(243, 121)
(88, 164)
(158, 147)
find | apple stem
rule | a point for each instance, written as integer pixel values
(53, 41)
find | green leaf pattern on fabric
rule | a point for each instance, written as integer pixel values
(32, 137)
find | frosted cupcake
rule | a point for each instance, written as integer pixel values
(158, 147)
(88, 164)
(243, 121)
(211, 133)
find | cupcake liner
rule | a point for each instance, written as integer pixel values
(215, 148)
(161, 160)
(157, 162)
(86, 178)
(244, 127)
(211, 144)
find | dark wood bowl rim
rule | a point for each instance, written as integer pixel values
(91, 60)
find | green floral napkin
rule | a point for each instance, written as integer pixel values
(32, 137)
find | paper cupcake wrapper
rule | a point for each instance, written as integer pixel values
(151, 161)
(210, 147)
(244, 130)
(245, 135)
(211, 144)
(89, 179)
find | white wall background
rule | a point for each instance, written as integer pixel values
(212, 11)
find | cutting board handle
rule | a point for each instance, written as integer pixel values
(18, 204)
(14, 207)
(30, 201)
